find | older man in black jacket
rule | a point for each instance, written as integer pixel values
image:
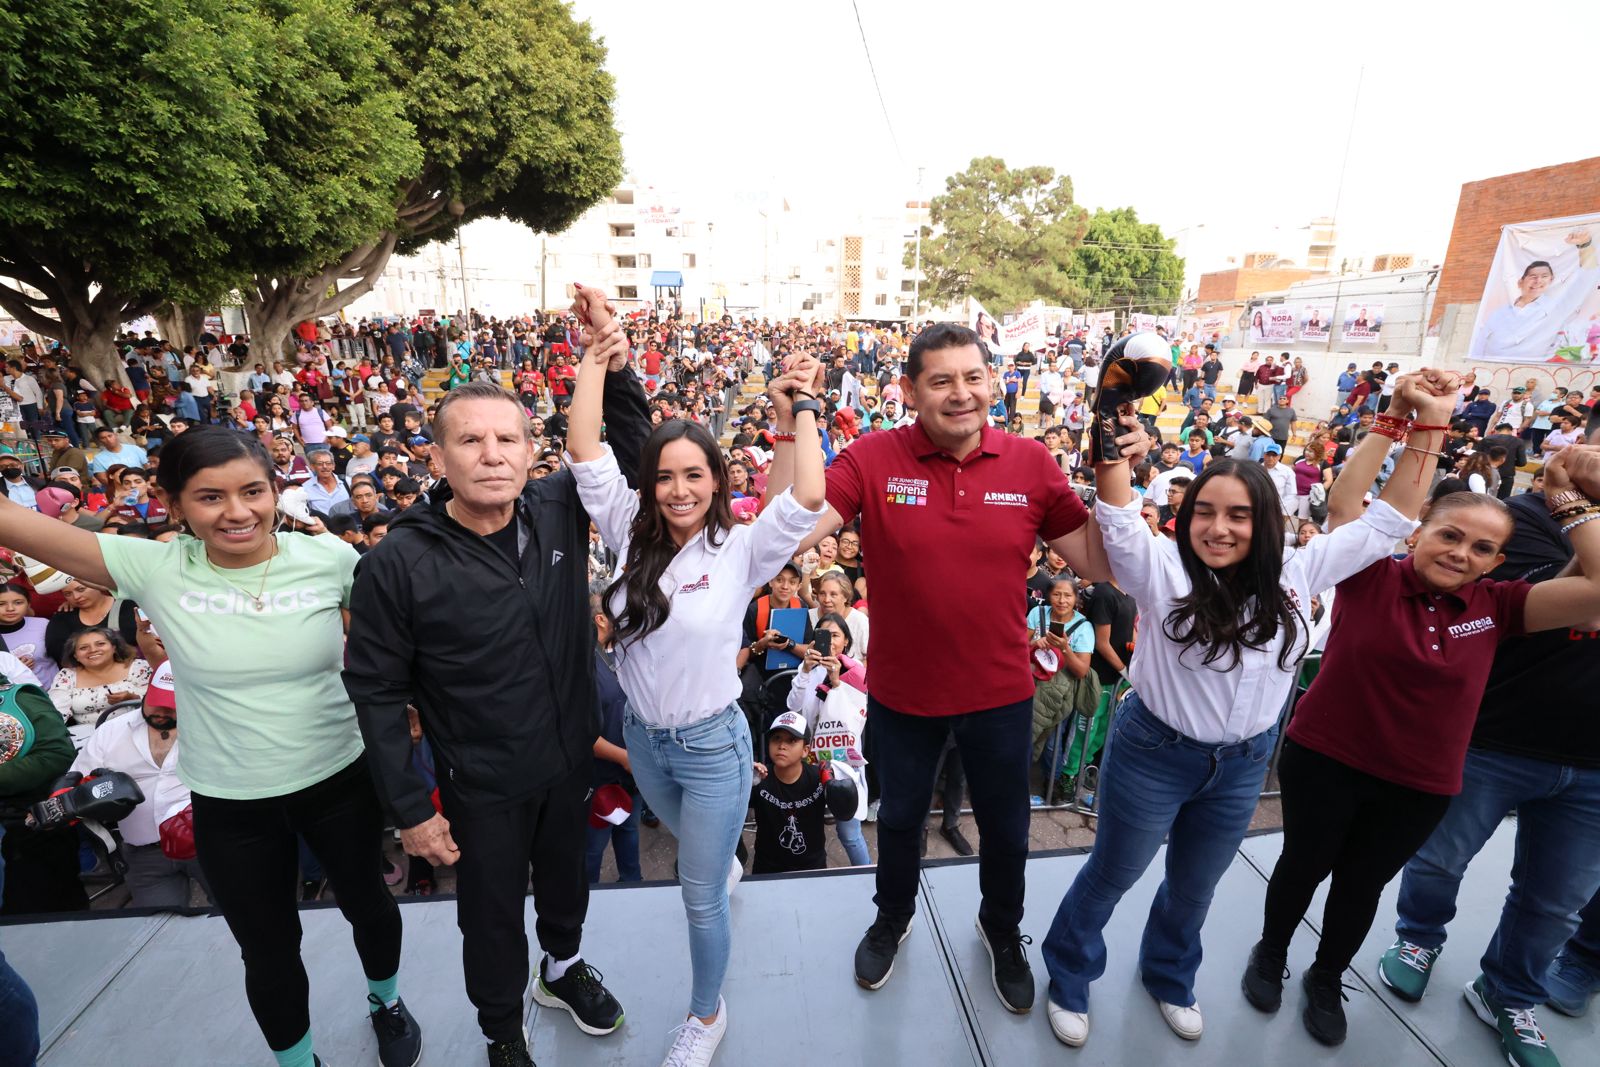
(475, 609)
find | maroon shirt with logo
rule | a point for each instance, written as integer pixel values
(950, 544)
(1404, 672)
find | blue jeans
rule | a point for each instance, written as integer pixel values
(1154, 780)
(1555, 872)
(624, 840)
(19, 1012)
(855, 846)
(697, 779)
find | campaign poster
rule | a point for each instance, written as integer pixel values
(1100, 321)
(1540, 302)
(1272, 324)
(1314, 319)
(1141, 322)
(1208, 325)
(1362, 322)
(1007, 338)
(1168, 324)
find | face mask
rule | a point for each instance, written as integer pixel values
(13, 474)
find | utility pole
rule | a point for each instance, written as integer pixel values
(542, 272)
(916, 270)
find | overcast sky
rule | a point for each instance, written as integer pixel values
(1230, 114)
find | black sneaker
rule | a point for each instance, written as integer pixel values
(581, 995)
(875, 954)
(513, 1053)
(399, 1036)
(1263, 978)
(957, 839)
(1009, 970)
(1324, 1014)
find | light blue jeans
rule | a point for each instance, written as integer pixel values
(855, 846)
(697, 779)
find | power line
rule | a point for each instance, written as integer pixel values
(895, 140)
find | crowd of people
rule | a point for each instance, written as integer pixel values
(625, 592)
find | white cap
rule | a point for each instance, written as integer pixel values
(338, 431)
(790, 721)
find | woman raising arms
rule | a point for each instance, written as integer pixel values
(677, 615)
(1227, 614)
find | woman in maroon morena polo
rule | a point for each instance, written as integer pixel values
(1376, 746)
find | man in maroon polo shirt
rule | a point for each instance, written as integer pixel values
(952, 497)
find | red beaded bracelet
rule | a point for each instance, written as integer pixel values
(783, 437)
(1420, 426)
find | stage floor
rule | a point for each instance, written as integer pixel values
(167, 991)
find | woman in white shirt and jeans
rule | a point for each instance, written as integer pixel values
(1227, 614)
(677, 615)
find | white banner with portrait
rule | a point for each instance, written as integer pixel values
(1007, 338)
(1541, 302)
(1208, 325)
(1314, 320)
(1362, 323)
(1272, 324)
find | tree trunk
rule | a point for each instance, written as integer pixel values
(93, 350)
(181, 324)
(274, 306)
(87, 316)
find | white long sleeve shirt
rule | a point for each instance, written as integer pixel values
(1220, 702)
(686, 670)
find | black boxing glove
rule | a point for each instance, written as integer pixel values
(839, 792)
(1134, 368)
(106, 798)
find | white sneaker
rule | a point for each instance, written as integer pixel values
(1070, 1027)
(735, 873)
(694, 1043)
(1185, 1022)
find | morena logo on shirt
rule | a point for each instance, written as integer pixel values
(1475, 626)
(704, 582)
(912, 491)
(196, 602)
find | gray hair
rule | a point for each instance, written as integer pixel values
(477, 390)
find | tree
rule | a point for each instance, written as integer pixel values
(1126, 263)
(1009, 237)
(168, 150)
(512, 110)
(111, 178)
(1004, 237)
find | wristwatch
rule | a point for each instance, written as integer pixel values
(807, 405)
(1563, 498)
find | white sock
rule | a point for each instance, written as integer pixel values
(554, 969)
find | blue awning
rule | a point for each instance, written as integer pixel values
(666, 279)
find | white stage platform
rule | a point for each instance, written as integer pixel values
(168, 991)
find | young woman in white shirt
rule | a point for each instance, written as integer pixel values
(677, 615)
(1227, 614)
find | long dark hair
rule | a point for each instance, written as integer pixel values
(650, 545)
(1245, 607)
(202, 447)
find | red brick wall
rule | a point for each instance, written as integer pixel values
(1545, 193)
(1226, 286)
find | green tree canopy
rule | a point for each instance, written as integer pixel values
(512, 110)
(1009, 237)
(160, 150)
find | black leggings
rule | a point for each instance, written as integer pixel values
(251, 858)
(1342, 821)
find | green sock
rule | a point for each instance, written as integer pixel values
(296, 1055)
(387, 991)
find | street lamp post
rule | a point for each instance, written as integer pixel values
(458, 209)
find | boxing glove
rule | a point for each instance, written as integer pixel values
(839, 791)
(177, 835)
(104, 796)
(1134, 368)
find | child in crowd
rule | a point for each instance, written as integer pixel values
(788, 802)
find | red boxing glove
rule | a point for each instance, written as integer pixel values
(177, 835)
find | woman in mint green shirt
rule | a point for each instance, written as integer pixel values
(253, 623)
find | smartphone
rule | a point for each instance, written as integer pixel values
(783, 641)
(1059, 629)
(822, 641)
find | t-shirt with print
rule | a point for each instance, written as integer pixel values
(263, 706)
(789, 834)
(1110, 606)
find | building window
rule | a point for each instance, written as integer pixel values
(622, 196)
(688, 260)
(530, 290)
(627, 292)
(644, 259)
(881, 300)
(882, 273)
(908, 285)
(622, 229)
(625, 262)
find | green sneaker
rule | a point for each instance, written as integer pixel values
(1524, 1043)
(1405, 967)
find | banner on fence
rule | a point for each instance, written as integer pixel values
(1272, 324)
(1362, 323)
(1314, 319)
(1540, 302)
